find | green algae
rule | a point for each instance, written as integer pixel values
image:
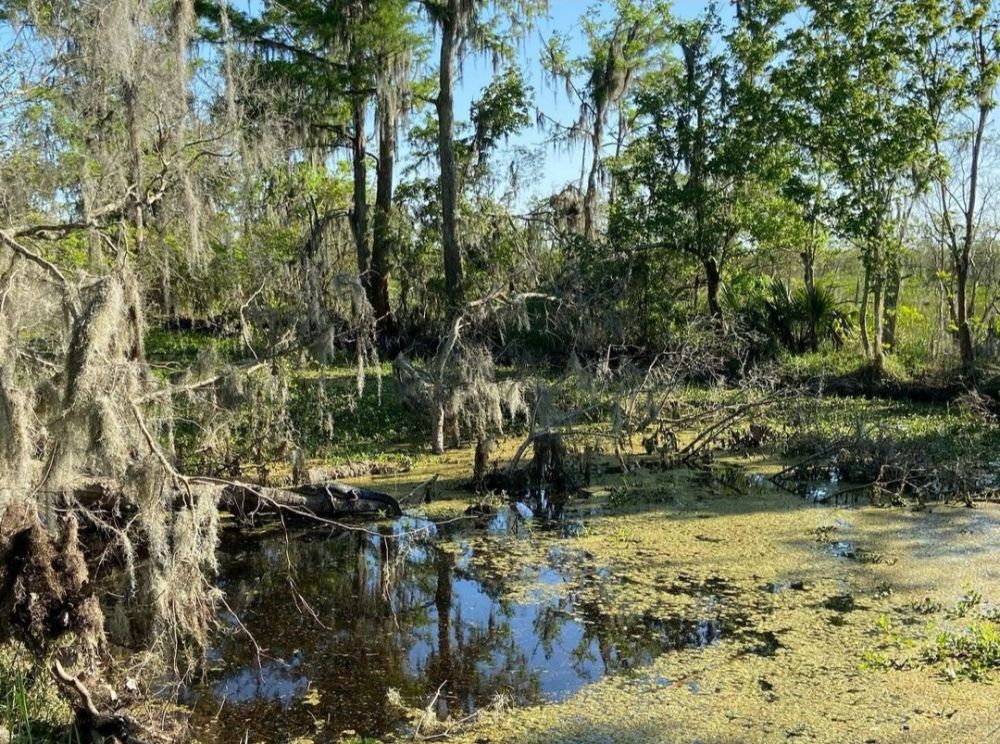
(794, 596)
(815, 608)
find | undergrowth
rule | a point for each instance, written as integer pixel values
(31, 710)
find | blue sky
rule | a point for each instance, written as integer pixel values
(555, 166)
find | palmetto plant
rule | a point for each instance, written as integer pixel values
(797, 320)
(821, 311)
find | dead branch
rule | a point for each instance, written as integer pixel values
(47, 266)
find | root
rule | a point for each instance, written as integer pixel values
(81, 690)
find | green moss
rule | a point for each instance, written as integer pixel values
(31, 709)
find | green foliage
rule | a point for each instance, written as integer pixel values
(503, 109)
(915, 332)
(692, 184)
(971, 600)
(329, 419)
(824, 364)
(185, 347)
(970, 651)
(973, 652)
(31, 709)
(796, 321)
(891, 648)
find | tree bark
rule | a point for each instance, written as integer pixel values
(808, 257)
(878, 310)
(863, 315)
(966, 346)
(381, 233)
(808, 263)
(590, 198)
(963, 262)
(359, 213)
(437, 435)
(445, 105)
(130, 94)
(892, 292)
(713, 282)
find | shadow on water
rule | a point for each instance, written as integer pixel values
(345, 618)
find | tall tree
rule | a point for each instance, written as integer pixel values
(869, 126)
(464, 24)
(619, 47)
(706, 150)
(392, 57)
(338, 58)
(958, 72)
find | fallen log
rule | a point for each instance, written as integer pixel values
(320, 500)
(332, 500)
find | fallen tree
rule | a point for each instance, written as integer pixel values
(248, 501)
(321, 501)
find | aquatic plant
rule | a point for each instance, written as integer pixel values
(972, 652)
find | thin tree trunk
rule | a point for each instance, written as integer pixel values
(808, 257)
(893, 288)
(878, 310)
(808, 263)
(131, 95)
(359, 213)
(863, 314)
(619, 146)
(966, 345)
(713, 283)
(87, 204)
(381, 234)
(590, 198)
(446, 153)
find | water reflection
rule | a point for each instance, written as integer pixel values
(345, 618)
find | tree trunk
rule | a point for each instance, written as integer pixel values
(359, 213)
(808, 257)
(590, 198)
(892, 292)
(437, 435)
(863, 314)
(481, 462)
(966, 346)
(381, 235)
(878, 309)
(131, 95)
(713, 282)
(446, 153)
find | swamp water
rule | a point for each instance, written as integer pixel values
(699, 616)
(422, 610)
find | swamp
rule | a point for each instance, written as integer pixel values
(516, 371)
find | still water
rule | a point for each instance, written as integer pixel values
(419, 609)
